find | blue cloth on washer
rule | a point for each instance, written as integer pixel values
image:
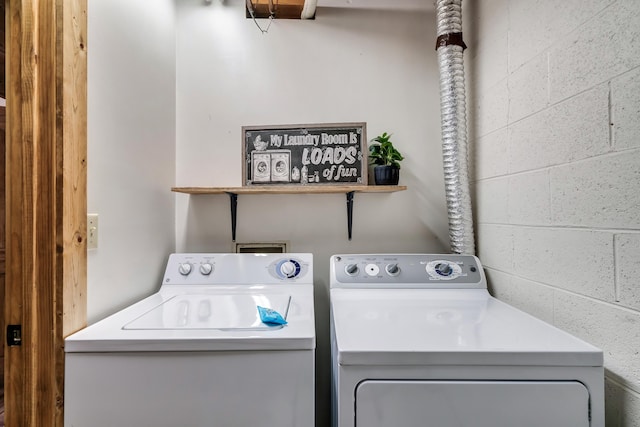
(270, 316)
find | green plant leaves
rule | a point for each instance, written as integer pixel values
(383, 153)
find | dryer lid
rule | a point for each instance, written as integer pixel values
(447, 327)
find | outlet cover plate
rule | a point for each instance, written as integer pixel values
(92, 231)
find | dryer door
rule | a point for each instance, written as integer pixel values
(472, 403)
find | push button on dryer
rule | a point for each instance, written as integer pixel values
(372, 269)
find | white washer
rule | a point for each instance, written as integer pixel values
(418, 341)
(196, 353)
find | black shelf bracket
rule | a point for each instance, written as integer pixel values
(233, 202)
(350, 195)
(234, 192)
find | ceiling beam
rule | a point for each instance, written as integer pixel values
(282, 9)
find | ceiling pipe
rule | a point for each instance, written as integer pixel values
(450, 47)
(309, 9)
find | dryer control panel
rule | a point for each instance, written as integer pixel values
(407, 270)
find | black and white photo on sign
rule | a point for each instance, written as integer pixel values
(310, 154)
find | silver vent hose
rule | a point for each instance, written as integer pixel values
(454, 125)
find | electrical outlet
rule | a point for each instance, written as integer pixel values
(92, 231)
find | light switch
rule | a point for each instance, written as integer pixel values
(92, 231)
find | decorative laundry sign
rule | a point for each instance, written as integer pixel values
(319, 154)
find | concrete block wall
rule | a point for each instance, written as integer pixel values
(554, 107)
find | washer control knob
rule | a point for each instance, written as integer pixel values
(392, 269)
(184, 268)
(206, 269)
(287, 268)
(351, 269)
(444, 269)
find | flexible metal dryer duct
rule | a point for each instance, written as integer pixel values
(454, 125)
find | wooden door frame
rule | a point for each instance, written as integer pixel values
(46, 149)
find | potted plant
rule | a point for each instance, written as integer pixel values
(387, 159)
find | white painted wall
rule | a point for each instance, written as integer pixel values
(344, 66)
(377, 67)
(131, 148)
(555, 125)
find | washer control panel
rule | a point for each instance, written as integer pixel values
(220, 268)
(407, 270)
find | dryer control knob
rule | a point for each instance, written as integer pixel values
(184, 268)
(392, 269)
(444, 269)
(206, 269)
(351, 269)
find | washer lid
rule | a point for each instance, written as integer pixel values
(205, 311)
(198, 319)
(447, 327)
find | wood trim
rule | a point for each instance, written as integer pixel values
(46, 201)
(284, 9)
(73, 146)
(294, 189)
(3, 80)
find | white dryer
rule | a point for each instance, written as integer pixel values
(418, 341)
(197, 352)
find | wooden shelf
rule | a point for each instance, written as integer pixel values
(298, 189)
(233, 192)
